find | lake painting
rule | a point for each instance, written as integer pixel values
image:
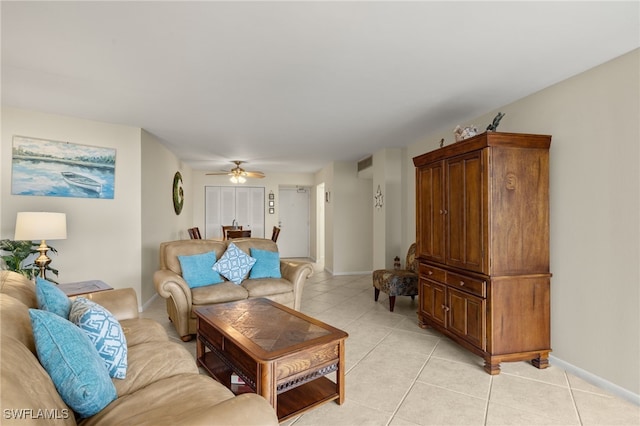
(62, 169)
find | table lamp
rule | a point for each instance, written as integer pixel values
(41, 226)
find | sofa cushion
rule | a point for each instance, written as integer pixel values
(18, 286)
(77, 371)
(234, 264)
(168, 401)
(104, 331)
(51, 298)
(197, 269)
(153, 361)
(143, 330)
(27, 386)
(267, 286)
(224, 292)
(267, 264)
(15, 321)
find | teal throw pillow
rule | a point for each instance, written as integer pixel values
(104, 331)
(267, 264)
(234, 264)
(76, 369)
(51, 298)
(197, 271)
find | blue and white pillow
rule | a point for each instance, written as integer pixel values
(76, 369)
(234, 264)
(51, 298)
(104, 331)
(267, 264)
(197, 269)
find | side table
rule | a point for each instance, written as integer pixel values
(84, 287)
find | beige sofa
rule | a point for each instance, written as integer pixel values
(181, 299)
(163, 385)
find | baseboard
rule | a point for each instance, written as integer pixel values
(148, 303)
(349, 273)
(596, 380)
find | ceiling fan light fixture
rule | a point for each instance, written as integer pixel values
(237, 178)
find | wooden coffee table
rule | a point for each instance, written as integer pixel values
(279, 353)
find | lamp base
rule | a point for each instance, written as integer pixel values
(43, 260)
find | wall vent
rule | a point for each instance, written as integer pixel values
(365, 163)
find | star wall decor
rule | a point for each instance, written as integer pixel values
(378, 199)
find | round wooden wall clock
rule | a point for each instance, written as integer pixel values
(178, 193)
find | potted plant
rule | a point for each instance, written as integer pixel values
(16, 255)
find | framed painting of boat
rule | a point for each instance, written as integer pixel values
(61, 169)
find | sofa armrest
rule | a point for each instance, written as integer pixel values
(121, 302)
(169, 284)
(247, 409)
(297, 273)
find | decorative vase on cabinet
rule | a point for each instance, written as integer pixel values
(482, 225)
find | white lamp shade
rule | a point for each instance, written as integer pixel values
(41, 226)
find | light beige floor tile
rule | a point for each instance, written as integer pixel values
(502, 415)
(397, 421)
(409, 341)
(447, 349)
(534, 396)
(348, 414)
(456, 376)
(383, 377)
(597, 409)
(577, 383)
(551, 374)
(432, 405)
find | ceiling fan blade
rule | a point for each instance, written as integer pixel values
(222, 173)
(258, 175)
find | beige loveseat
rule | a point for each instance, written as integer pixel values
(162, 386)
(181, 299)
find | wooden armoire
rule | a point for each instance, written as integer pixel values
(482, 225)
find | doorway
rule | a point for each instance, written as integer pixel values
(294, 222)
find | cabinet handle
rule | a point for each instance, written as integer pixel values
(430, 272)
(446, 308)
(461, 283)
(441, 211)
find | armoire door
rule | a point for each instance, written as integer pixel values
(430, 212)
(465, 212)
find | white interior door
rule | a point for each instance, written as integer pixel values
(294, 222)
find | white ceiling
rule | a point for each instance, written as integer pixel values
(292, 86)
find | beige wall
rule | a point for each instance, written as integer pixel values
(159, 221)
(387, 220)
(349, 221)
(594, 201)
(103, 236)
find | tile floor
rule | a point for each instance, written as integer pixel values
(401, 375)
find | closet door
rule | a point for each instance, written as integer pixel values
(212, 212)
(249, 209)
(224, 204)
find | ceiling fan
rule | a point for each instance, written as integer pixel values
(238, 174)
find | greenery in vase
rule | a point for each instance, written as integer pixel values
(18, 252)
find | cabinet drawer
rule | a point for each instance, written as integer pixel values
(468, 284)
(428, 271)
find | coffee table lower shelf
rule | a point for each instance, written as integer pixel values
(292, 402)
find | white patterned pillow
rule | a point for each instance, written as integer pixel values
(104, 331)
(234, 264)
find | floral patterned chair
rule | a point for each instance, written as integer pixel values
(398, 282)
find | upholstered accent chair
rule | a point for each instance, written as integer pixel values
(398, 282)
